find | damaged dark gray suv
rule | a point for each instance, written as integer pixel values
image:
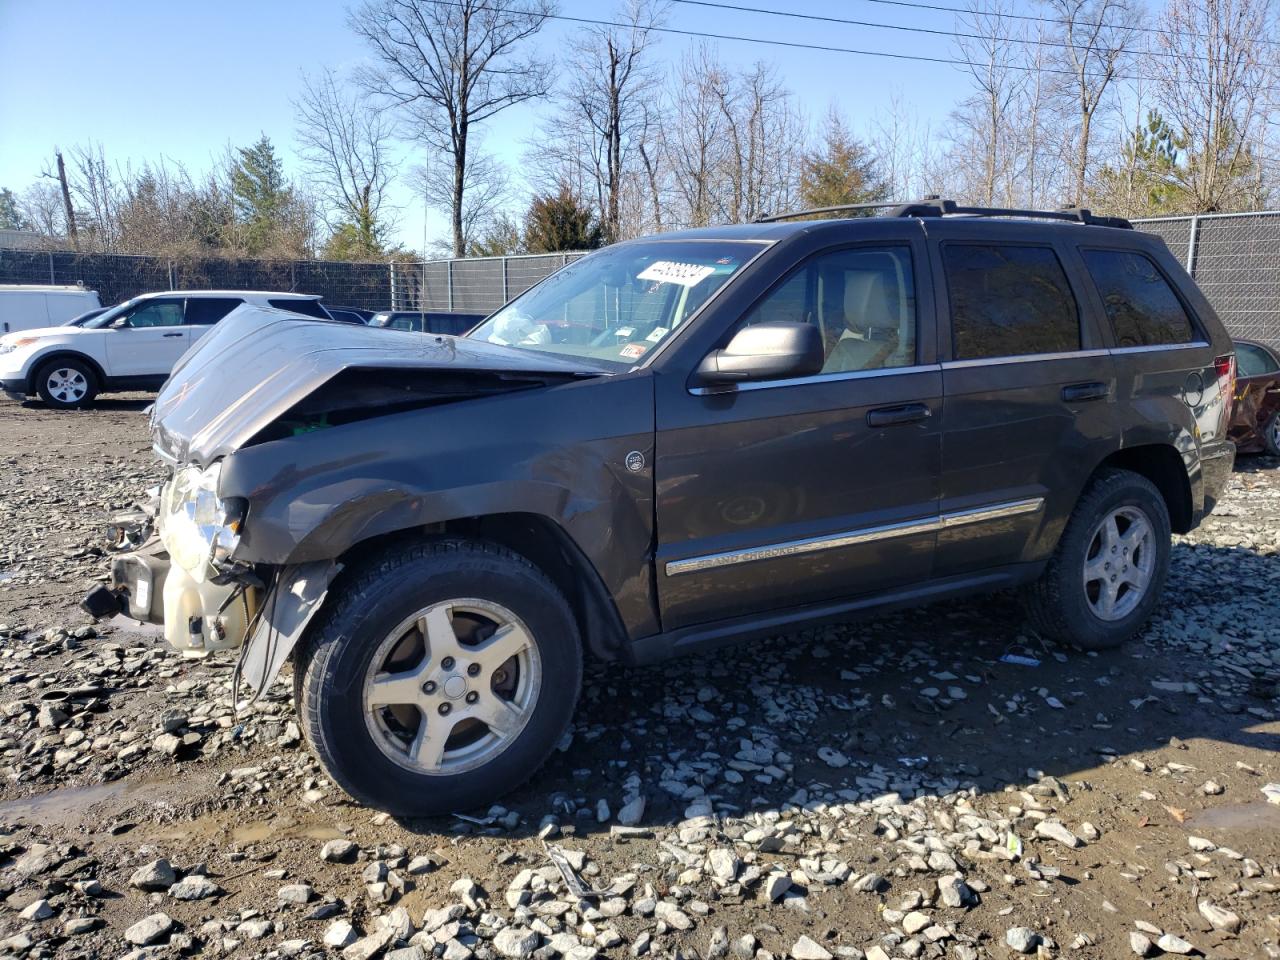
(672, 443)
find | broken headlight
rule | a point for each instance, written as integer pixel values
(197, 528)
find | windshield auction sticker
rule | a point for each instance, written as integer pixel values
(669, 271)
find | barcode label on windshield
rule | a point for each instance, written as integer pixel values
(669, 271)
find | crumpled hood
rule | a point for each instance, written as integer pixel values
(257, 364)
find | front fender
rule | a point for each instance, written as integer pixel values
(564, 453)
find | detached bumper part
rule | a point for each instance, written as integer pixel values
(197, 617)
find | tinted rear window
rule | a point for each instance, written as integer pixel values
(208, 310)
(308, 308)
(1008, 301)
(1142, 307)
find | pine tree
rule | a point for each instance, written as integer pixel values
(561, 221)
(841, 170)
(260, 194)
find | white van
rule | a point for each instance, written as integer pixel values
(26, 306)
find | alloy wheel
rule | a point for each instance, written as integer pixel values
(1119, 563)
(452, 686)
(67, 385)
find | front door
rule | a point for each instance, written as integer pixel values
(784, 493)
(147, 341)
(1029, 395)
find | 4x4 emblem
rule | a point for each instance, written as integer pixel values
(635, 461)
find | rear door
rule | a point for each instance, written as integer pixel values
(203, 312)
(783, 493)
(148, 340)
(1029, 393)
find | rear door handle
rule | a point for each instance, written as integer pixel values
(1075, 392)
(892, 416)
(175, 334)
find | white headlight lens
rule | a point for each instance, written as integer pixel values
(194, 522)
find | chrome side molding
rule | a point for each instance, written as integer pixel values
(834, 541)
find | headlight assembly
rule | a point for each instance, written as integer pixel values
(197, 528)
(13, 345)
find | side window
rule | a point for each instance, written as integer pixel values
(1142, 307)
(402, 323)
(204, 311)
(1254, 361)
(308, 308)
(156, 313)
(1009, 301)
(862, 300)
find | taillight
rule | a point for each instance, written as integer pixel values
(1225, 367)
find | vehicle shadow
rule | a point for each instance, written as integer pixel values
(127, 404)
(919, 703)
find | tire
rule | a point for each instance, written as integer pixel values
(407, 758)
(1271, 435)
(1069, 602)
(67, 384)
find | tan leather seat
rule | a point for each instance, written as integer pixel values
(872, 312)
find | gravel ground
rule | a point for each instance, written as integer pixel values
(886, 788)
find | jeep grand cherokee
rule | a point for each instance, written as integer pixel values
(671, 443)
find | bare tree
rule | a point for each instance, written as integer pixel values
(765, 139)
(1219, 66)
(1095, 38)
(346, 141)
(64, 189)
(694, 142)
(606, 99)
(487, 189)
(451, 66)
(993, 61)
(42, 204)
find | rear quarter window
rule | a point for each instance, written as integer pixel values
(1141, 305)
(308, 308)
(1009, 301)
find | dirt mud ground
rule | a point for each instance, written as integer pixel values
(884, 788)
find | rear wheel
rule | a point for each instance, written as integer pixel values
(1108, 573)
(67, 384)
(1271, 435)
(440, 678)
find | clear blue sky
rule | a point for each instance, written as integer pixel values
(182, 80)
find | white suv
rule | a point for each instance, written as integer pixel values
(133, 346)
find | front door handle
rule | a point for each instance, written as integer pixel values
(1076, 392)
(892, 416)
(172, 334)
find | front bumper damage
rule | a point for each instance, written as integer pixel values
(263, 619)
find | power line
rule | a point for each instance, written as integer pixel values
(964, 10)
(894, 26)
(797, 45)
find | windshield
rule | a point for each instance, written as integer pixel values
(104, 320)
(619, 303)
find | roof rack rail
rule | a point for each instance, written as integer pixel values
(841, 208)
(942, 208)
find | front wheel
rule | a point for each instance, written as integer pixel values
(1108, 573)
(439, 678)
(67, 384)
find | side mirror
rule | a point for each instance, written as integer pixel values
(120, 323)
(765, 351)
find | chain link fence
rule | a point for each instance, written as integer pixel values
(473, 285)
(118, 277)
(1235, 258)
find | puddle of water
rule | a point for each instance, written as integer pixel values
(62, 805)
(1258, 815)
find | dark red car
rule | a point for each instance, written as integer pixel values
(1255, 419)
